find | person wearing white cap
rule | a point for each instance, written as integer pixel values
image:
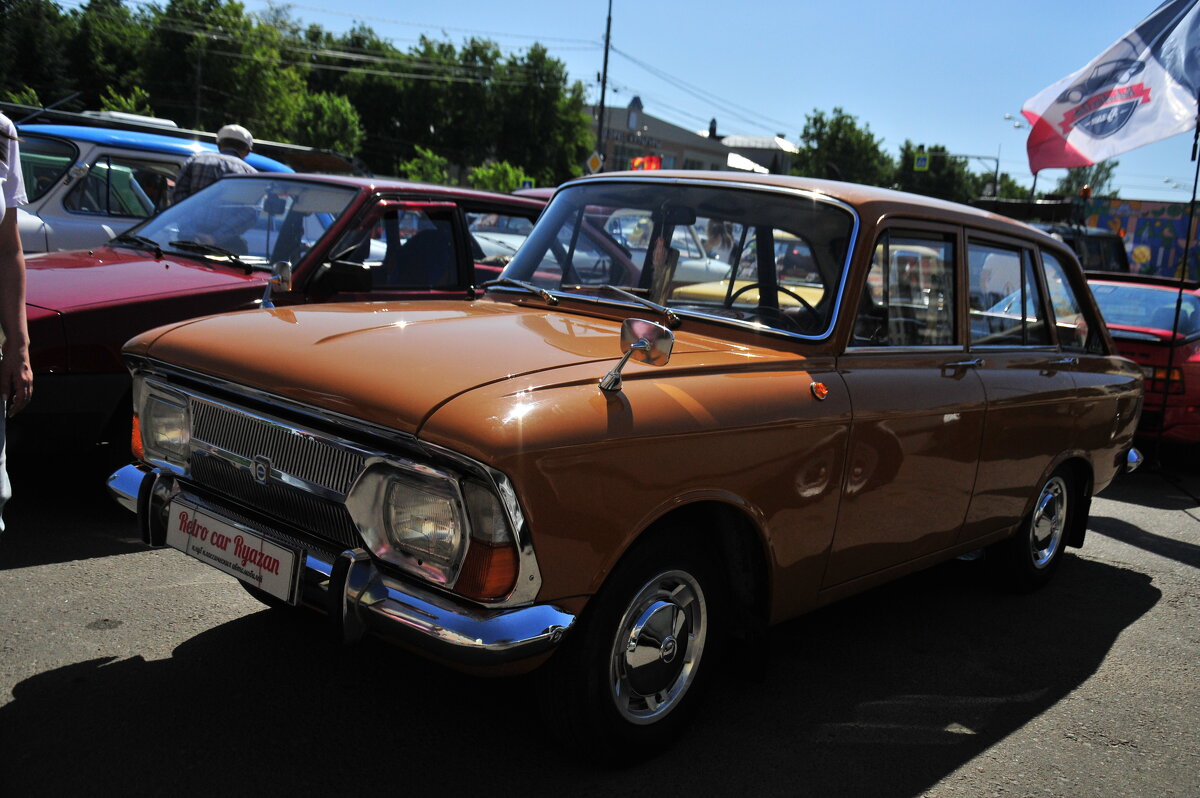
(234, 143)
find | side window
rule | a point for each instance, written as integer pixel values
(494, 239)
(43, 163)
(910, 293)
(122, 187)
(1075, 334)
(1006, 306)
(404, 249)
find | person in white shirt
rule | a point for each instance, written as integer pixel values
(16, 376)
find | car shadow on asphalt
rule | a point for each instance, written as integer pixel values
(1179, 550)
(57, 516)
(883, 694)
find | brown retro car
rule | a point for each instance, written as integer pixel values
(610, 471)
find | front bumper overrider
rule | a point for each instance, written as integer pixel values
(361, 598)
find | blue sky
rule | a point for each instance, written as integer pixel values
(933, 72)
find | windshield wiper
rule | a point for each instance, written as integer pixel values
(672, 319)
(530, 287)
(211, 249)
(140, 241)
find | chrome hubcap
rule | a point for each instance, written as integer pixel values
(658, 646)
(1048, 524)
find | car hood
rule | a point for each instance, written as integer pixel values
(395, 364)
(65, 281)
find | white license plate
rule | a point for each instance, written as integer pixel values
(234, 549)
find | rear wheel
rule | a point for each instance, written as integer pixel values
(627, 680)
(1028, 559)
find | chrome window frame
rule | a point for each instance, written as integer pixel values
(835, 312)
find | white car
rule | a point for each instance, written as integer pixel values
(88, 184)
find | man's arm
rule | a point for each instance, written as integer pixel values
(16, 377)
(183, 182)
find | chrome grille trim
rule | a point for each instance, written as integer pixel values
(322, 519)
(291, 451)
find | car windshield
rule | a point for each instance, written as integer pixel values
(772, 259)
(255, 221)
(1146, 307)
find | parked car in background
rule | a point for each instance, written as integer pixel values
(337, 237)
(1098, 250)
(87, 184)
(1140, 312)
(616, 479)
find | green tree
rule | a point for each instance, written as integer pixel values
(947, 176)
(329, 121)
(137, 101)
(837, 148)
(106, 53)
(1098, 177)
(426, 167)
(543, 127)
(498, 176)
(206, 63)
(34, 39)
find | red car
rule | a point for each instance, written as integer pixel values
(318, 238)
(1141, 315)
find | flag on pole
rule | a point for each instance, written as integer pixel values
(1140, 90)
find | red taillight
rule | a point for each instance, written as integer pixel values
(489, 572)
(1160, 379)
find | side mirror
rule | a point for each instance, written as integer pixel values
(281, 280)
(281, 276)
(644, 341)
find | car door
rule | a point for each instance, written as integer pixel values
(117, 191)
(1026, 377)
(397, 249)
(918, 409)
(1102, 410)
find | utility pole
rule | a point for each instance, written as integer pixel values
(603, 88)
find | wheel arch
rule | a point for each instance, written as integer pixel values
(1081, 478)
(738, 547)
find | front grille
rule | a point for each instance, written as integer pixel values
(323, 519)
(290, 450)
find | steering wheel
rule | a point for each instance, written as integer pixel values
(779, 288)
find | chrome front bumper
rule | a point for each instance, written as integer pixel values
(361, 598)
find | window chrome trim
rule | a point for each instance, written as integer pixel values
(855, 228)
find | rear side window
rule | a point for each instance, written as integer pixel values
(43, 163)
(1006, 301)
(118, 186)
(909, 296)
(1075, 333)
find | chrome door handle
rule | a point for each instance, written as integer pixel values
(972, 363)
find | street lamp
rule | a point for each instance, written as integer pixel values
(1017, 122)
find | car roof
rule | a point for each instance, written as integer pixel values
(870, 201)
(145, 142)
(423, 190)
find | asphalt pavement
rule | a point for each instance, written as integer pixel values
(131, 671)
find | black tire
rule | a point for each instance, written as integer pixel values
(628, 678)
(1027, 560)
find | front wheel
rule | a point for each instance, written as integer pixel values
(628, 678)
(1028, 559)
